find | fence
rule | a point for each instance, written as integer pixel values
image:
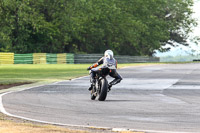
(92, 58)
(86, 58)
(23, 58)
(61, 58)
(67, 58)
(36, 58)
(136, 59)
(6, 58)
(51, 58)
(39, 58)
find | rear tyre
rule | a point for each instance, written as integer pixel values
(104, 89)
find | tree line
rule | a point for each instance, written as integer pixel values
(128, 27)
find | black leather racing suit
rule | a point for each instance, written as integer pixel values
(111, 64)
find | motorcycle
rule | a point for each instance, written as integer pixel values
(100, 87)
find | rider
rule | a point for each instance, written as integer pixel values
(110, 64)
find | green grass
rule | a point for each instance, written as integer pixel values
(47, 72)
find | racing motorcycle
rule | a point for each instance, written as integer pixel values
(100, 87)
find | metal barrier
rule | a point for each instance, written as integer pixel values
(6, 58)
(51, 58)
(23, 58)
(92, 58)
(39, 58)
(61, 58)
(86, 58)
(67, 58)
(70, 58)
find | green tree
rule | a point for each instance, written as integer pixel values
(91, 26)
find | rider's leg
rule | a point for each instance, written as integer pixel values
(113, 73)
(92, 76)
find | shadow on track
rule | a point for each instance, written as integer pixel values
(122, 100)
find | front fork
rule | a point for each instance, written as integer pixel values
(94, 87)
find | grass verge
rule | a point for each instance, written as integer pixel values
(46, 72)
(12, 127)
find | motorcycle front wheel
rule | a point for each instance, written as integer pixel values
(93, 93)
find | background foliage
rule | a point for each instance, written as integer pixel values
(131, 27)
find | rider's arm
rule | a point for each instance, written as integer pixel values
(100, 61)
(116, 64)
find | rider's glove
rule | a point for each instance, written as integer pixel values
(89, 68)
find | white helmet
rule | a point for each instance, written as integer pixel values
(109, 54)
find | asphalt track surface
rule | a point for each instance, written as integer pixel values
(150, 98)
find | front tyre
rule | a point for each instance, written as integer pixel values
(93, 93)
(103, 89)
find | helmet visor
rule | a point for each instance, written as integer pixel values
(109, 56)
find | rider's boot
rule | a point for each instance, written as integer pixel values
(109, 87)
(92, 84)
(114, 82)
(90, 88)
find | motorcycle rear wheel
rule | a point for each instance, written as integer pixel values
(103, 89)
